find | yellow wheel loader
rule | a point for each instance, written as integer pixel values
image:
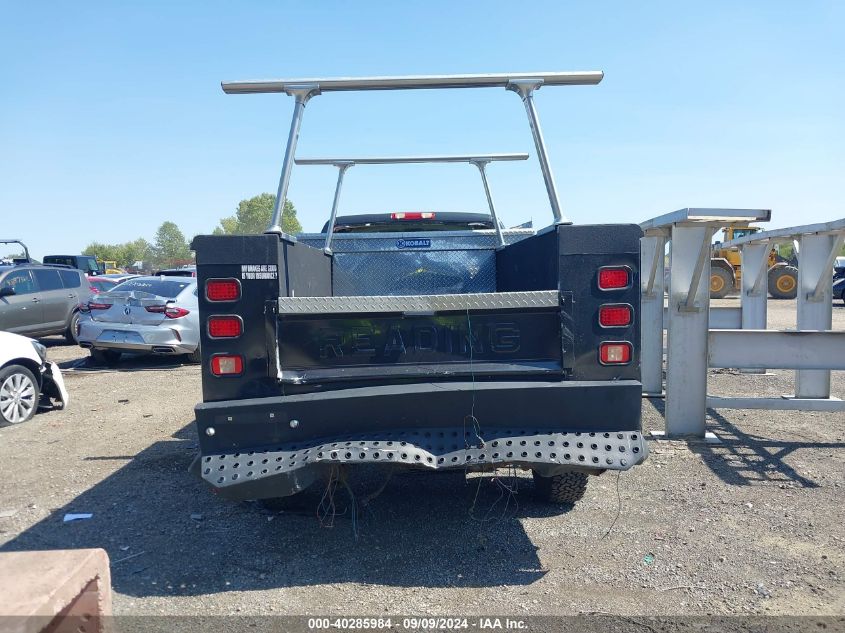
(726, 268)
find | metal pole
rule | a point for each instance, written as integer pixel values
(815, 311)
(753, 297)
(302, 94)
(651, 313)
(689, 306)
(482, 164)
(341, 170)
(525, 89)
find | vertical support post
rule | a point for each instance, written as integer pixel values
(652, 248)
(342, 166)
(482, 166)
(689, 308)
(525, 89)
(302, 94)
(754, 290)
(815, 310)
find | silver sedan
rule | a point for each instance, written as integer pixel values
(151, 315)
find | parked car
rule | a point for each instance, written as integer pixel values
(86, 263)
(25, 376)
(839, 279)
(104, 283)
(101, 283)
(38, 300)
(119, 277)
(151, 315)
(184, 271)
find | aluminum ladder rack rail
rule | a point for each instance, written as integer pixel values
(523, 83)
(342, 164)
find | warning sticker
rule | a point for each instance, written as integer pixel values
(259, 271)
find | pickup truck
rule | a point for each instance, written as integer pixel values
(418, 340)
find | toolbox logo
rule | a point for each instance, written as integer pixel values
(416, 243)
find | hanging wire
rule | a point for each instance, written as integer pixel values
(476, 425)
(508, 488)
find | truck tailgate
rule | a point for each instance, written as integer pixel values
(329, 339)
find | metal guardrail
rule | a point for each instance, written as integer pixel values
(524, 84)
(479, 160)
(813, 350)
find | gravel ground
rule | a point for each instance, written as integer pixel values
(754, 525)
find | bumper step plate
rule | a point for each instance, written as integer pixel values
(435, 449)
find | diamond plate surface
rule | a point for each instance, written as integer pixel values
(414, 272)
(434, 449)
(423, 303)
(372, 264)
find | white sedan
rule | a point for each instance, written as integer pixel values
(26, 375)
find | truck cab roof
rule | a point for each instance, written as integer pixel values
(411, 221)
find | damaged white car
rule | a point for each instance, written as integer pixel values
(26, 376)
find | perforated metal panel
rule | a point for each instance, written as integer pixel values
(434, 449)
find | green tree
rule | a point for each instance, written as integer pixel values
(134, 251)
(124, 254)
(252, 217)
(170, 245)
(105, 252)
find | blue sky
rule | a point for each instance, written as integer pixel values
(112, 119)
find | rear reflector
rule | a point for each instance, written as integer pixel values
(614, 277)
(225, 326)
(615, 353)
(227, 365)
(412, 215)
(615, 315)
(223, 289)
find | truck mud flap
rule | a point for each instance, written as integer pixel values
(289, 468)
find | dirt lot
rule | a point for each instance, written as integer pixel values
(755, 524)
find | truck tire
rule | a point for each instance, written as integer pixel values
(783, 282)
(563, 489)
(72, 333)
(19, 394)
(721, 282)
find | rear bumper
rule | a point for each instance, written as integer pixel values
(269, 447)
(177, 338)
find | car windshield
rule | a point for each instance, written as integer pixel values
(169, 288)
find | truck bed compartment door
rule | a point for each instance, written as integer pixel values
(346, 338)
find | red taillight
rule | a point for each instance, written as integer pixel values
(225, 326)
(223, 290)
(94, 290)
(615, 315)
(96, 305)
(412, 215)
(614, 277)
(227, 365)
(615, 353)
(171, 312)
